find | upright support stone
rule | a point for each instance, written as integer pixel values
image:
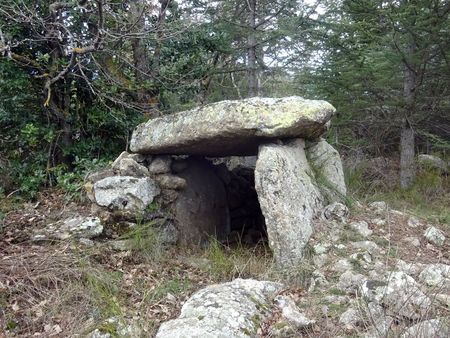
(289, 199)
(327, 166)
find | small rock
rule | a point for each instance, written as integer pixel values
(369, 246)
(350, 318)
(362, 228)
(129, 167)
(434, 236)
(436, 275)
(379, 207)
(414, 241)
(168, 181)
(365, 257)
(75, 227)
(291, 313)
(435, 328)
(409, 268)
(321, 248)
(414, 222)
(350, 282)
(342, 265)
(378, 222)
(115, 165)
(320, 260)
(139, 158)
(335, 211)
(160, 165)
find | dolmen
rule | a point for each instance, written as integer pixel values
(254, 167)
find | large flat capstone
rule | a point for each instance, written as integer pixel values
(232, 127)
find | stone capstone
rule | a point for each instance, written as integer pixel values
(230, 310)
(232, 127)
(288, 197)
(125, 192)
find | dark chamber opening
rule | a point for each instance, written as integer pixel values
(247, 223)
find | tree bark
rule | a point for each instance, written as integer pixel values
(253, 78)
(407, 165)
(407, 151)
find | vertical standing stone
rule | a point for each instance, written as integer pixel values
(288, 197)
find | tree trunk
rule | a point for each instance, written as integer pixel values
(407, 164)
(253, 78)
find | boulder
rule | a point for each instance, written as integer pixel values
(436, 328)
(433, 162)
(327, 165)
(230, 310)
(160, 165)
(232, 127)
(288, 197)
(400, 294)
(201, 208)
(125, 192)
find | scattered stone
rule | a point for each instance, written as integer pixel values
(362, 227)
(342, 265)
(320, 260)
(139, 158)
(160, 165)
(436, 275)
(369, 246)
(378, 222)
(350, 318)
(291, 314)
(435, 328)
(321, 248)
(443, 298)
(284, 183)
(433, 162)
(328, 166)
(434, 236)
(75, 227)
(233, 127)
(414, 241)
(169, 181)
(400, 294)
(116, 164)
(362, 258)
(125, 192)
(118, 328)
(129, 167)
(335, 211)
(409, 268)
(379, 207)
(229, 310)
(350, 282)
(414, 222)
(120, 245)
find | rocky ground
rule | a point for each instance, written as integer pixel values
(370, 272)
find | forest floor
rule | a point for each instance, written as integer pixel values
(71, 288)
